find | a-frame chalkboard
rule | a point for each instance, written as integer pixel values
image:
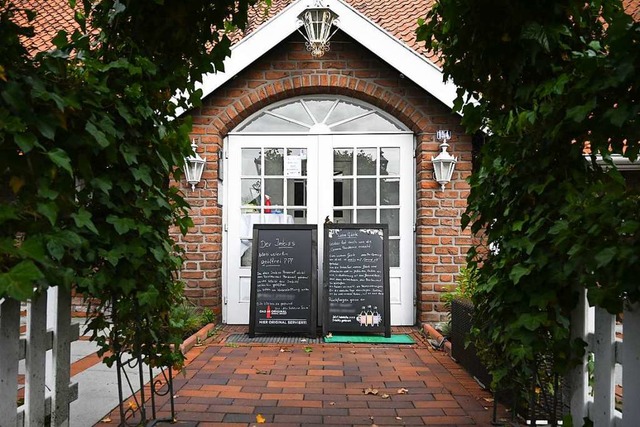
(284, 279)
(356, 279)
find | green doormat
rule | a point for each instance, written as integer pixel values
(370, 339)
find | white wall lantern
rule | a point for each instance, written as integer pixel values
(444, 163)
(317, 22)
(193, 166)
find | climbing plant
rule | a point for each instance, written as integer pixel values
(89, 145)
(547, 82)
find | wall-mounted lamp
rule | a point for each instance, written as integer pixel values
(317, 21)
(444, 163)
(193, 166)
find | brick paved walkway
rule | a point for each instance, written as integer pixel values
(323, 384)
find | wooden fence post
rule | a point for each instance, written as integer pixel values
(631, 366)
(61, 359)
(578, 376)
(35, 361)
(602, 410)
(10, 339)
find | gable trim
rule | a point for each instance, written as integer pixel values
(412, 65)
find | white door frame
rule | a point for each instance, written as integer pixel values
(320, 205)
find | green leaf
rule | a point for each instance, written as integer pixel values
(122, 225)
(26, 141)
(48, 193)
(530, 321)
(83, 219)
(158, 253)
(559, 227)
(149, 296)
(580, 112)
(99, 136)
(33, 248)
(103, 184)
(7, 212)
(47, 127)
(517, 273)
(19, 282)
(142, 174)
(49, 210)
(605, 256)
(55, 249)
(61, 159)
(60, 40)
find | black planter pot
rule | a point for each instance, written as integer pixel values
(461, 311)
(546, 397)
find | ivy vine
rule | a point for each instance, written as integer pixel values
(89, 145)
(546, 80)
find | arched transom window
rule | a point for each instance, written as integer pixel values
(321, 115)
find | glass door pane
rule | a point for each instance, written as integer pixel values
(282, 173)
(372, 194)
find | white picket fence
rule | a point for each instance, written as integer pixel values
(47, 389)
(597, 328)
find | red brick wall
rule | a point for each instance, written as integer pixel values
(347, 69)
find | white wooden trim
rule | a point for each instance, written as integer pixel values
(620, 162)
(408, 62)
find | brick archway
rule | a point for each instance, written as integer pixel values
(348, 70)
(227, 112)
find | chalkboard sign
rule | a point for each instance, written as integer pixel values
(356, 278)
(284, 279)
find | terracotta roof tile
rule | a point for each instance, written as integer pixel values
(51, 17)
(399, 18)
(633, 8)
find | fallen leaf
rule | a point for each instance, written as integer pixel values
(399, 418)
(370, 390)
(352, 352)
(285, 350)
(261, 372)
(308, 349)
(105, 420)
(332, 403)
(385, 396)
(403, 391)
(133, 405)
(260, 419)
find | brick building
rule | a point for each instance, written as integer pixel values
(358, 128)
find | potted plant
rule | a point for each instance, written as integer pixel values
(460, 316)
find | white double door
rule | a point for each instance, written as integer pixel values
(305, 179)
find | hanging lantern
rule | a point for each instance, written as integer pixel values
(444, 163)
(194, 166)
(317, 22)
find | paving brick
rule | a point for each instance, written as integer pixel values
(245, 418)
(303, 419)
(231, 385)
(448, 421)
